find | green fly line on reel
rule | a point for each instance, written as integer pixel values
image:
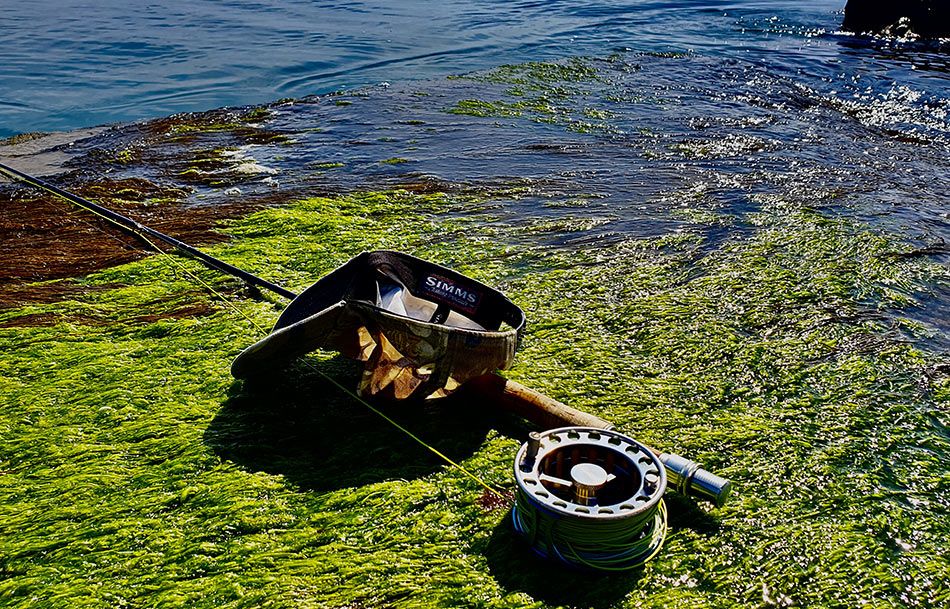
(590, 498)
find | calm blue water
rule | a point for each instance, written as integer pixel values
(77, 63)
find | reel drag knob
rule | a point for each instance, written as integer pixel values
(587, 479)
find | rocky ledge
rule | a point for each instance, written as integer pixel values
(914, 18)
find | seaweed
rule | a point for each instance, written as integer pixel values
(544, 92)
(135, 471)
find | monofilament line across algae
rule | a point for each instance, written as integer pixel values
(136, 473)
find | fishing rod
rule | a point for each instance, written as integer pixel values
(137, 229)
(687, 476)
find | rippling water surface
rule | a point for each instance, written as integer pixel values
(72, 63)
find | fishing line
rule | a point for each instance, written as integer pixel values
(590, 498)
(141, 231)
(604, 546)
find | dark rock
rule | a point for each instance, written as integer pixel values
(906, 18)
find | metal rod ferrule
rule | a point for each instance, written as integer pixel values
(689, 478)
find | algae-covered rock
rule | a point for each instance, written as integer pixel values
(927, 18)
(723, 267)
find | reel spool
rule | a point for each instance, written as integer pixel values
(591, 498)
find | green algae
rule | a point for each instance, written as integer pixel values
(540, 74)
(544, 92)
(135, 472)
(136, 192)
(219, 121)
(243, 125)
(481, 108)
(540, 109)
(567, 224)
(20, 138)
(125, 156)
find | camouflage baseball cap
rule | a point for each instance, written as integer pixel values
(420, 329)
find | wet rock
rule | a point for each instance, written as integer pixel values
(907, 18)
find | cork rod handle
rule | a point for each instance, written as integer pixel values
(684, 475)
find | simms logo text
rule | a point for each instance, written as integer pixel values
(445, 290)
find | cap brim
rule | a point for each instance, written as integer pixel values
(323, 329)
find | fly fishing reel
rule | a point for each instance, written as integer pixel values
(591, 498)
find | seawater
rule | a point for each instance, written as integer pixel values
(75, 63)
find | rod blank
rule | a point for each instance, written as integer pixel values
(137, 229)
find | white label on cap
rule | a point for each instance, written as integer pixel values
(451, 293)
